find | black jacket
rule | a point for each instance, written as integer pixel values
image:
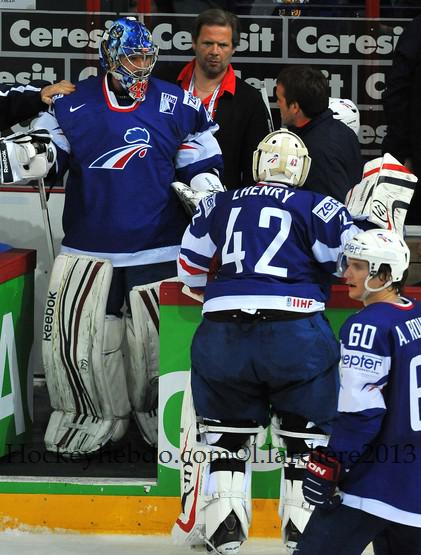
(336, 161)
(19, 103)
(402, 106)
(243, 123)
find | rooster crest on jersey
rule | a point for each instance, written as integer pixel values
(281, 157)
(117, 158)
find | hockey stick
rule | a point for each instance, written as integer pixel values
(46, 219)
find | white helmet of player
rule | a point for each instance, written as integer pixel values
(346, 111)
(281, 157)
(377, 247)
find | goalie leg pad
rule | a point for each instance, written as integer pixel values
(215, 482)
(142, 332)
(82, 358)
(298, 437)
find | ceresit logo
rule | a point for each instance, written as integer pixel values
(258, 39)
(311, 41)
(24, 33)
(361, 362)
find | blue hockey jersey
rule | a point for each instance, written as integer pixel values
(274, 247)
(122, 160)
(378, 432)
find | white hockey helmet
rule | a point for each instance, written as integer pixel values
(346, 111)
(377, 247)
(281, 157)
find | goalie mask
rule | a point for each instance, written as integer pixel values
(281, 157)
(377, 247)
(346, 111)
(127, 51)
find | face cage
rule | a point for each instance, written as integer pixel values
(135, 83)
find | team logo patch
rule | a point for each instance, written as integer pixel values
(117, 159)
(191, 100)
(327, 208)
(209, 204)
(167, 104)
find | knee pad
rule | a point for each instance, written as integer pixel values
(82, 358)
(215, 481)
(298, 437)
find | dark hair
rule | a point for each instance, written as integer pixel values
(220, 18)
(307, 86)
(385, 273)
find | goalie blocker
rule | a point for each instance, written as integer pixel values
(384, 194)
(26, 156)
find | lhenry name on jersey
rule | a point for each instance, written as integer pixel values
(117, 158)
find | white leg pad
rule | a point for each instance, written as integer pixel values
(82, 358)
(142, 331)
(208, 498)
(293, 508)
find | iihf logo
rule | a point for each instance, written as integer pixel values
(117, 159)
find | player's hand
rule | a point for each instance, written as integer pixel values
(62, 87)
(322, 475)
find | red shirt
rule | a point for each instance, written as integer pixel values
(227, 84)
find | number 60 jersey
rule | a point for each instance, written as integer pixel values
(377, 434)
(273, 247)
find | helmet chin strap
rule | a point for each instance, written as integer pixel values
(369, 290)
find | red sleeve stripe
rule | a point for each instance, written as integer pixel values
(191, 269)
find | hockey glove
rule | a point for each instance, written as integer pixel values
(383, 195)
(321, 478)
(26, 156)
(201, 186)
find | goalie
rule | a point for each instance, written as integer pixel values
(264, 351)
(125, 137)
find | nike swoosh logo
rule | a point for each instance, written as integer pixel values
(76, 108)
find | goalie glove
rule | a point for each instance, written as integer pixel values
(383, 195)
(26, 156)
(201, 186)
(321, 478)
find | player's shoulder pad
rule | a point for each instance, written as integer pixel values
(327, 208)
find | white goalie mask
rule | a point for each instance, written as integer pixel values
(377, 247)
(346, 111)
(281, 157)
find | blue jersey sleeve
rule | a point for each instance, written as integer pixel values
(331, 227)
(199, 151)
(197, 247)
(364, 371)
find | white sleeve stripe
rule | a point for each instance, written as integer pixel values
(204, 246)
(194, 150)
(323, 253)
(21, 89)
